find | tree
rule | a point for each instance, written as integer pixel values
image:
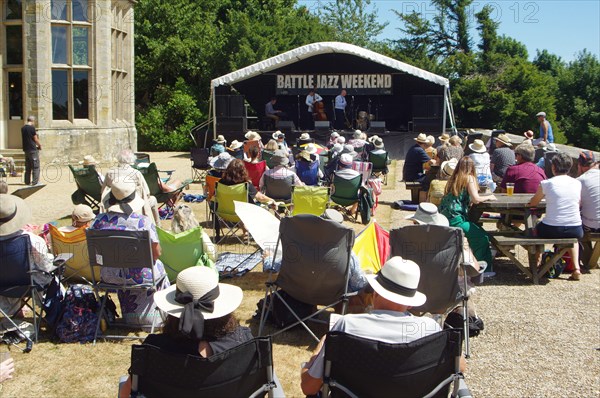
(488, 31)
(547, 62)
(351, 21)
(511, 47)
(415, 44)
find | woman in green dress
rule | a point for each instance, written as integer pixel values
(462, 190)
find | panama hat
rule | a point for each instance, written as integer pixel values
(199, 281)
(357, 134)
(478, 146)
(235, 144)
(503, 138)
(349, 149)
(449, 166)
(88, 160)
(421, 138)
(14, 214)
(220, 139)
(540, 114)
(123, 197)
(444, 137)
(377, 143)
(83, 213)
(372, 138)
(304, 137)
(427, 213)
(280, 158)
(551, 147)
(222, 161)
(278, 134)
(398, 281)
(528, 134)
(341, 140)
(333, 135)
(310, 148)
(346, 159)
(252, 135)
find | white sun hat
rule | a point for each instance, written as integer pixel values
(398, 281)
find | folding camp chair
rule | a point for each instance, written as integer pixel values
(243, 371)
(266, 156)
(346, 193)
(309, 200)
(17, 282)
(380, 164)
(278, 188)
(120, 249)
(200, 165)
(308, 172)
(359, 367)
(255, 171)
(438, 251)
(77, 268)
(224, 214)
(167, 199)
(89, 189)
(315, 267)
(364, 168)
(181, 251)
(209, 192)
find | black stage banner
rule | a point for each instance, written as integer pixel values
(332, 84)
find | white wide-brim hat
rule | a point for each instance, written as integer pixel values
(88, 160)
(398, 281)
(422, 139)
(449, 166)
(235, 144)
(276, 135)
(222, 161)
(252, 135)
(304, 137)
(199, 280)
(311, 148)
(427, 213)
(503, 138)
(122, 189)
(15, 213)
(478, 146)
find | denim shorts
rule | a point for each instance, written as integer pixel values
(557, 232)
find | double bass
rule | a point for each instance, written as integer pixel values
(319, 111)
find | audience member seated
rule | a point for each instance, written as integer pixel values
(254, 136)
(236, 173)
(547, 148)
(453, 150)
(341, 140)
(81, 217)
(307, 167)
(332, 139)
(125, 172)
(219, 164)
(395, 293)
(304, 139)
(274, 114)
(481, 158)
(415, 158)
(123, 206)
(89, 162)
(524, 174)
(563, 198)
(218, 146)
(236, 149)
(528, 137)
(10, 164)
(280, 171)
(344, 169)
(200, 319)
(444, 138)
(502, 158)
(15, 214)
(462, 190)
(376, 145)
(437, 187)
(357, 141)
(589, 177)
(430, 151)
(253, 155)
(279, 138)
(184, 220)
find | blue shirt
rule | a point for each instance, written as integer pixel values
(269, 110)
(340, 102)
(413, 164)
(550, 135)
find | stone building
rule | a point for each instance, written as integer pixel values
(70, 64)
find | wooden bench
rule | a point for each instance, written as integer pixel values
(534, 246)
(594, 239)
(415, 189)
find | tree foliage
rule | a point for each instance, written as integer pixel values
(352, 21)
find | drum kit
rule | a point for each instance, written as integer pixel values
(364, 119)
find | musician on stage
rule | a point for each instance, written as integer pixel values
(312, 98)
(273, 113)
(340, 110)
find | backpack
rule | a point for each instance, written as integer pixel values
(558, 267)
(279, 315)
(79, 317)
(454, 320)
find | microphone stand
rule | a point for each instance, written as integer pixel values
(298, 111)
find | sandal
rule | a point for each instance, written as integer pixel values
(575, 276)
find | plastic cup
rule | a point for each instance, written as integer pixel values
(510, 189)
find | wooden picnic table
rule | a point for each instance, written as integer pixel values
(504, 241)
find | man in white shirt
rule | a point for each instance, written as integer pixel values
(340, 110)
(589, 176)
(395, 292)
(312, 98)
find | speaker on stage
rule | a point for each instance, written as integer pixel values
(321, 125)
(286, 126)
(377, 127)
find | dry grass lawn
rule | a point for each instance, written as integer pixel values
(539, 341)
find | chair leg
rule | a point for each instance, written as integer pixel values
(35, 320)
(263, 312)
(100, 314)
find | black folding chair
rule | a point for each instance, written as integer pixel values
(119, 249)
(243, 371)
(200, 165)
(315, 267)
(17, 282)
(359, 367)
(438, 251)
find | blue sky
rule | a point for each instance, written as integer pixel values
(562, 27)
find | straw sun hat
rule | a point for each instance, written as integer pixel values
(199, 282)
(220, 139)
(14, 214)
(421, 139)
(478, 146)
(252, 135)
(449, 166)
(235, 144)
(311, 148)
(304, 137)
(503, 138)
(398, 281)
(123, 197)
(444, 137)
(88, 160)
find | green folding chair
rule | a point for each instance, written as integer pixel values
(151, 176)
(224, 214)
(309, 200)
(345, 193)
(380, 164)
(89, 189)
(182, 250)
